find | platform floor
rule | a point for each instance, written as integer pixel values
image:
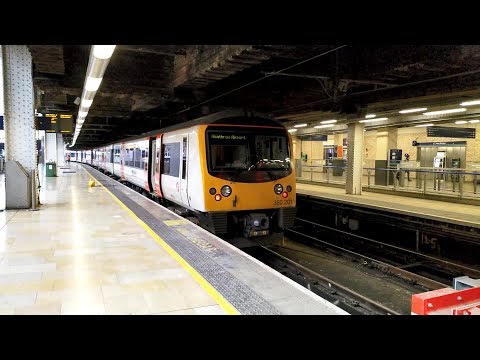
(86, 252)
(462, 214)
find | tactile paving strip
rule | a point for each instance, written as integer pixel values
(244, 299)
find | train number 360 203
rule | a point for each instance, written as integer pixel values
(282, 202)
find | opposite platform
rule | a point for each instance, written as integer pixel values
(460, 214)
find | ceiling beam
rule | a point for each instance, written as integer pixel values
(170, 50)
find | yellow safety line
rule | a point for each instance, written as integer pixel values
(224, 304)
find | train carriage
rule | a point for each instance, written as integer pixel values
(234, 172)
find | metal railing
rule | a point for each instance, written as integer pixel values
(442, 181)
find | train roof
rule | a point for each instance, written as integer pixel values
(214, 118)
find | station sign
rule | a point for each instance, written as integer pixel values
(440, 143)
(55, 123)
(450, 132)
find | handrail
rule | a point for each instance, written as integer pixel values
(432, 170)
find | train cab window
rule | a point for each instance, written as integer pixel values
(273, 152)
(257, 155)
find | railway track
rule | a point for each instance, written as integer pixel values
(390, 274)
(430, 271)
(343, 297)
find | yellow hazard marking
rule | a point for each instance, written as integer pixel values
(174, 222)
(91, 183)
(224, 304)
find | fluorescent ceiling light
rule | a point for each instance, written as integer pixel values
(371, 120)
(300, 125)
(103, 51)
(292, 130)
(423, 125)
(460, 122)
(449, 111)
(323, 126)
(92, 83)
(328, 121)
(87, 103)
(468, 103)
(407, 111)
(80, 121)
(370, 116)
(82, 114)
(473, 121)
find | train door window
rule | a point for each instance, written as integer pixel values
(143, 165)
(111, 155)
(184, 159)
(171, 159)
(116, 155)
(137, 157)
(129, 156)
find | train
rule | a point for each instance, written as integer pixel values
(233, 171)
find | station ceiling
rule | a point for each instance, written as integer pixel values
(146, 87)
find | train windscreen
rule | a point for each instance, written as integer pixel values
(254, 155)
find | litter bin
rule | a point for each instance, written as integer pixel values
(51, 169)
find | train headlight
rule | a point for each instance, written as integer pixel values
(218, 197)
(226, 190)
(289, 188)
(285, 194)
(212, 191)
(278, 188)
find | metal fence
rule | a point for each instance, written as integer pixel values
(442, 181)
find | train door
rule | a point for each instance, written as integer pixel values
(122, 160)
(184, 172)
(152, 144)
(158, 161)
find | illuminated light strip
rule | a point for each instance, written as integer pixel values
(371, 120)
(449, 111)
(328, 121)
(408, 111)
(423, 125)
(323, 126)
(469, 103)
(224, 304)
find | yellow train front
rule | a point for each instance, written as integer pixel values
(248, 178)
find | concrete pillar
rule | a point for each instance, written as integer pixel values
(60, 150)
(19, 123)
(338, 139)
(50, 147)
(354, 159)
(386, 139)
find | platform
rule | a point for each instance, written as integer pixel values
(108, 250)
(460, 214)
